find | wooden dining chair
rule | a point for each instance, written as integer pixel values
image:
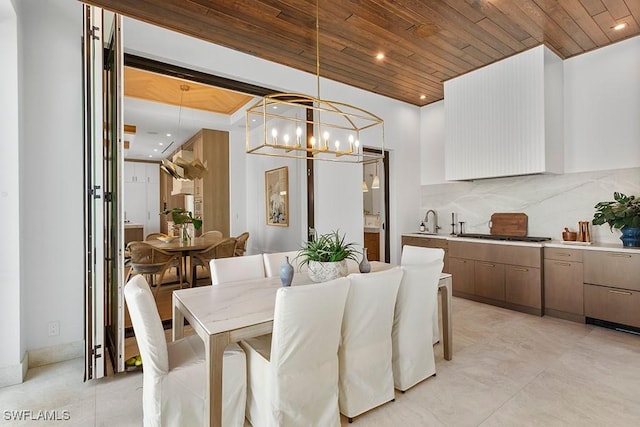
(225, 248)
(151, 261)
(241, 246)
(212, 234)
(154, 236)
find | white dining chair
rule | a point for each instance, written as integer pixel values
(413, 358)
(418, 255)
(174, 374)
(293, 372)
(273, 261)
(365, 353)
(236, 268)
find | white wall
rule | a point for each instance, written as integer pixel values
(602, 108)
(602, 134)
(11, 332)
(51, 170)
(336, 185)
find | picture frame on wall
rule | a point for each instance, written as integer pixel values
(276, 189)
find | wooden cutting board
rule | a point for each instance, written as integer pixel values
(509, 224)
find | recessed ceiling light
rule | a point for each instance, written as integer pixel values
(620, 26)
(155, 150)
(423, 96)
(168, 134)
(160, 143)
(150, 155)
(380, 56)
(275, 107)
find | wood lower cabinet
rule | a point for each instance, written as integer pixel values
(509, 276)
(612, 304)
(430, 242)
(372, 243)
(462, 275)
(489, 281)
(523, 286)
(563, 284)
(612, 287)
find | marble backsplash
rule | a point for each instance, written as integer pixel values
(551, 202)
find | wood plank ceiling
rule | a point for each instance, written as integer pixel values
(424, 42)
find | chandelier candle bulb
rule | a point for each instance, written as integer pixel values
(286, 139)
(298, 135)
(274, 134)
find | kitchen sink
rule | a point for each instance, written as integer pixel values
(426, 233)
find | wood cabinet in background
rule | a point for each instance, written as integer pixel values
(430, 242)
(563, 288)
(463, 276)
(489, 281)
(168, 201)
(372, 243)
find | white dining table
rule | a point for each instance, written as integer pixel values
(230, 312)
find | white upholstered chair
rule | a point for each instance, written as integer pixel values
(293, 373)
(365, 353)
(418, 255)
(272, 263)
(413, 358)
(236, 268)
(174, 374)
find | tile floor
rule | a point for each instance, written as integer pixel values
(508, 369)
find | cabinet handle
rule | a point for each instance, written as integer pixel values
(563, 254)
(620, 292)
(486, 264)
(620, 255)
(564, 264)
(461, 261)
(521, 269)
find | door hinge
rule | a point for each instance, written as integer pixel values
(95, 353)
(94, 32)
(108, 196)
(95, 191)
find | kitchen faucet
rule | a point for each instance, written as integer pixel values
(435, 220)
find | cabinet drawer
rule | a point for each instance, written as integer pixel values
(613, 305)
(563, 288)
(614, 269)
(574, 255)
(490, 280)
(462, 272)
(496, 253)
(523, 286)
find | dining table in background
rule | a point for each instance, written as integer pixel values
(230, 312)
(185, 247)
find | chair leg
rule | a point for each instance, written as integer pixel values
(350, 420)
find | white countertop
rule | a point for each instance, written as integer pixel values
(609, 247)
(132, 225)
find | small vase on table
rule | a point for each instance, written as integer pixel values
(364, 266)
(286, 272)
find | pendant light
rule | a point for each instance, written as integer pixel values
(376, 179)
(335, 131)
(365, 189)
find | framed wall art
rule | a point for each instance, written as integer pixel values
(276, 189)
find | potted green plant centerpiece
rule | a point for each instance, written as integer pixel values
(326, 256)
(622, 213)
(183, 217)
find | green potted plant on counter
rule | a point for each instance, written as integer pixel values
(183, 217)
(622, 213)
(326, 256)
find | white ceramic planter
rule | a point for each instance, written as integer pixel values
(325, 271)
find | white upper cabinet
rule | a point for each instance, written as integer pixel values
(506, 118)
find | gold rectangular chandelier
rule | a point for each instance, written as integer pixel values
(305, 127)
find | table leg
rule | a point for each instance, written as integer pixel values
(177, 330)
(447, 333)
(214, 355)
